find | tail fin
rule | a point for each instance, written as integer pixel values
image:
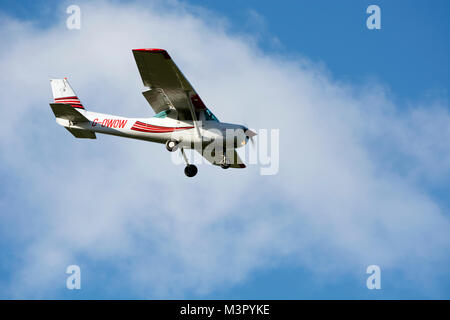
(63, 93)
(68, 109)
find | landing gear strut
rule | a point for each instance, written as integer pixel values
(225, 164)
(190, 170)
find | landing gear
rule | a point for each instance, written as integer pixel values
(225, 165)
(171, 145)
(190, 170)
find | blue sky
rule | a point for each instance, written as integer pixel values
(407, 61)
(409, 54)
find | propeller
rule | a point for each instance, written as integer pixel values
(250, 134)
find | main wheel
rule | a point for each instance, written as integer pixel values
(171, 145)
(190, 170)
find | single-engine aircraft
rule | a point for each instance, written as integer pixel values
(181, 120)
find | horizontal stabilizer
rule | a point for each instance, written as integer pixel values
(66, 111)
(80, 133)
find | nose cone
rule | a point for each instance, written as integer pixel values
(249, 133)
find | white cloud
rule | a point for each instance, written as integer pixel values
(353, 189)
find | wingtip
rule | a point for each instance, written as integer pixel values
(149, 49)
(164, 52)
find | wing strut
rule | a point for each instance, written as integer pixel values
(194, 117)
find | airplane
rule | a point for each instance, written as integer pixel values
(181, 120)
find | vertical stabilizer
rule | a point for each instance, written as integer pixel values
(63, 93)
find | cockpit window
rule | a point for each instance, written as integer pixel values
(161, 114)
(209, 116)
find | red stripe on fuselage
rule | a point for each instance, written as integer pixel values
(145, 127)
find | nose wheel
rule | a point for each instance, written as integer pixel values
(190, 170)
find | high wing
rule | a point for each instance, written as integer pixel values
(169, 89)
(233, 159)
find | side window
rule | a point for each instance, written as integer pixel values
(161, 114)
(209, 116)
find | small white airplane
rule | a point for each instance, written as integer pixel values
(182, 121)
